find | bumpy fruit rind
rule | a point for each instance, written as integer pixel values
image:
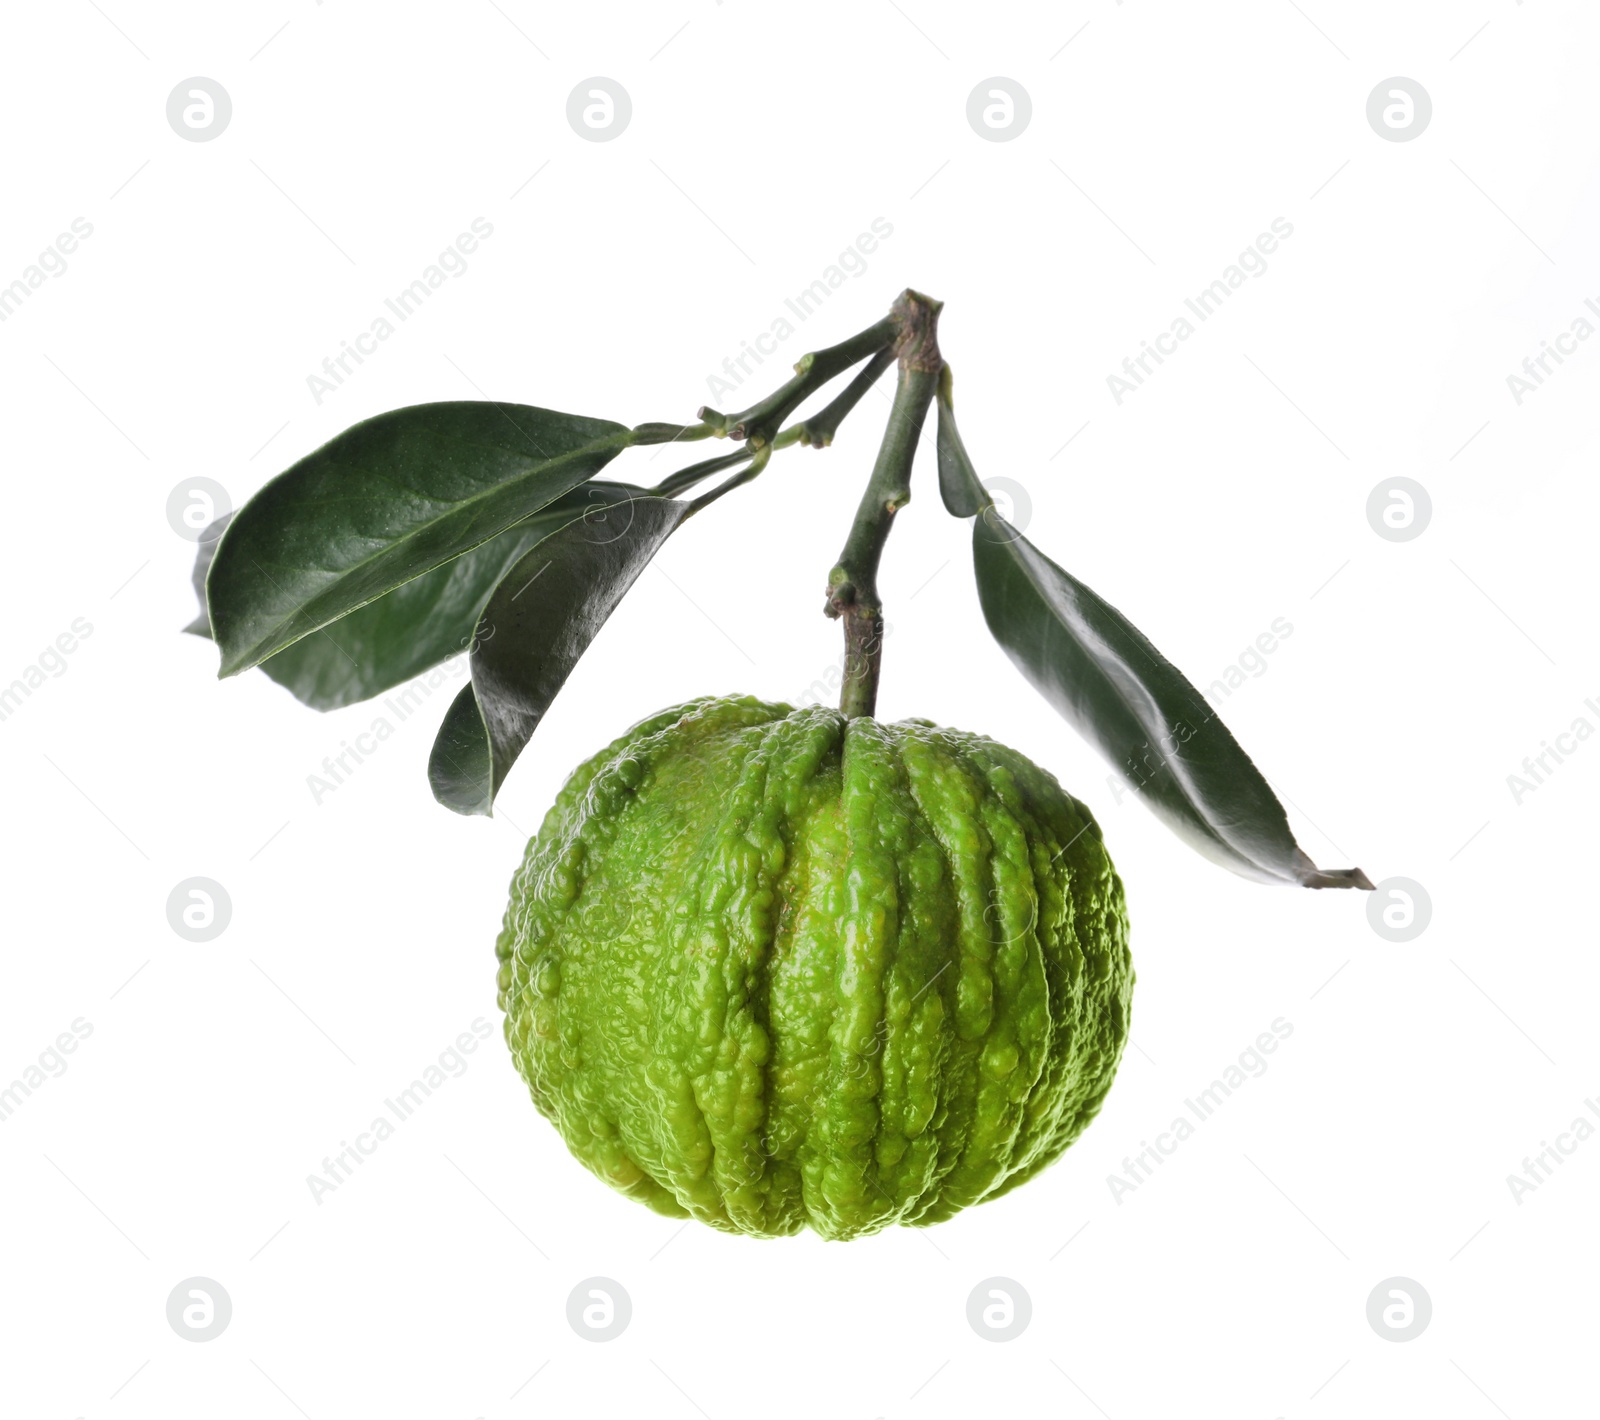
(773, 969)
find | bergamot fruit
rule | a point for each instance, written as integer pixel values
(775, 969)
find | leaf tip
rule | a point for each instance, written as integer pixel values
(1338, 878)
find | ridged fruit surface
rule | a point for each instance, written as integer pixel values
(773, 969)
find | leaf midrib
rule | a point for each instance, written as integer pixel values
(1212, 830)
(253, 656)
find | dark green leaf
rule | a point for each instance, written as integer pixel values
(429, 619)
(959, 484)
(539, 621)
(205, 550)
(384, 502)
(1138, 710)
(459, 769)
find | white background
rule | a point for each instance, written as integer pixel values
(1229, 491)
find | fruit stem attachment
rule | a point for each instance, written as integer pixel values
(853, 584)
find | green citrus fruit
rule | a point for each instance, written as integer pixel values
(773, 969)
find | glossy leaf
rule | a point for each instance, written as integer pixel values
(430, 618)
(384, 502)
(205, 551)
(1138, 710)
(959, 485)
(539, 621)
(459, 768)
